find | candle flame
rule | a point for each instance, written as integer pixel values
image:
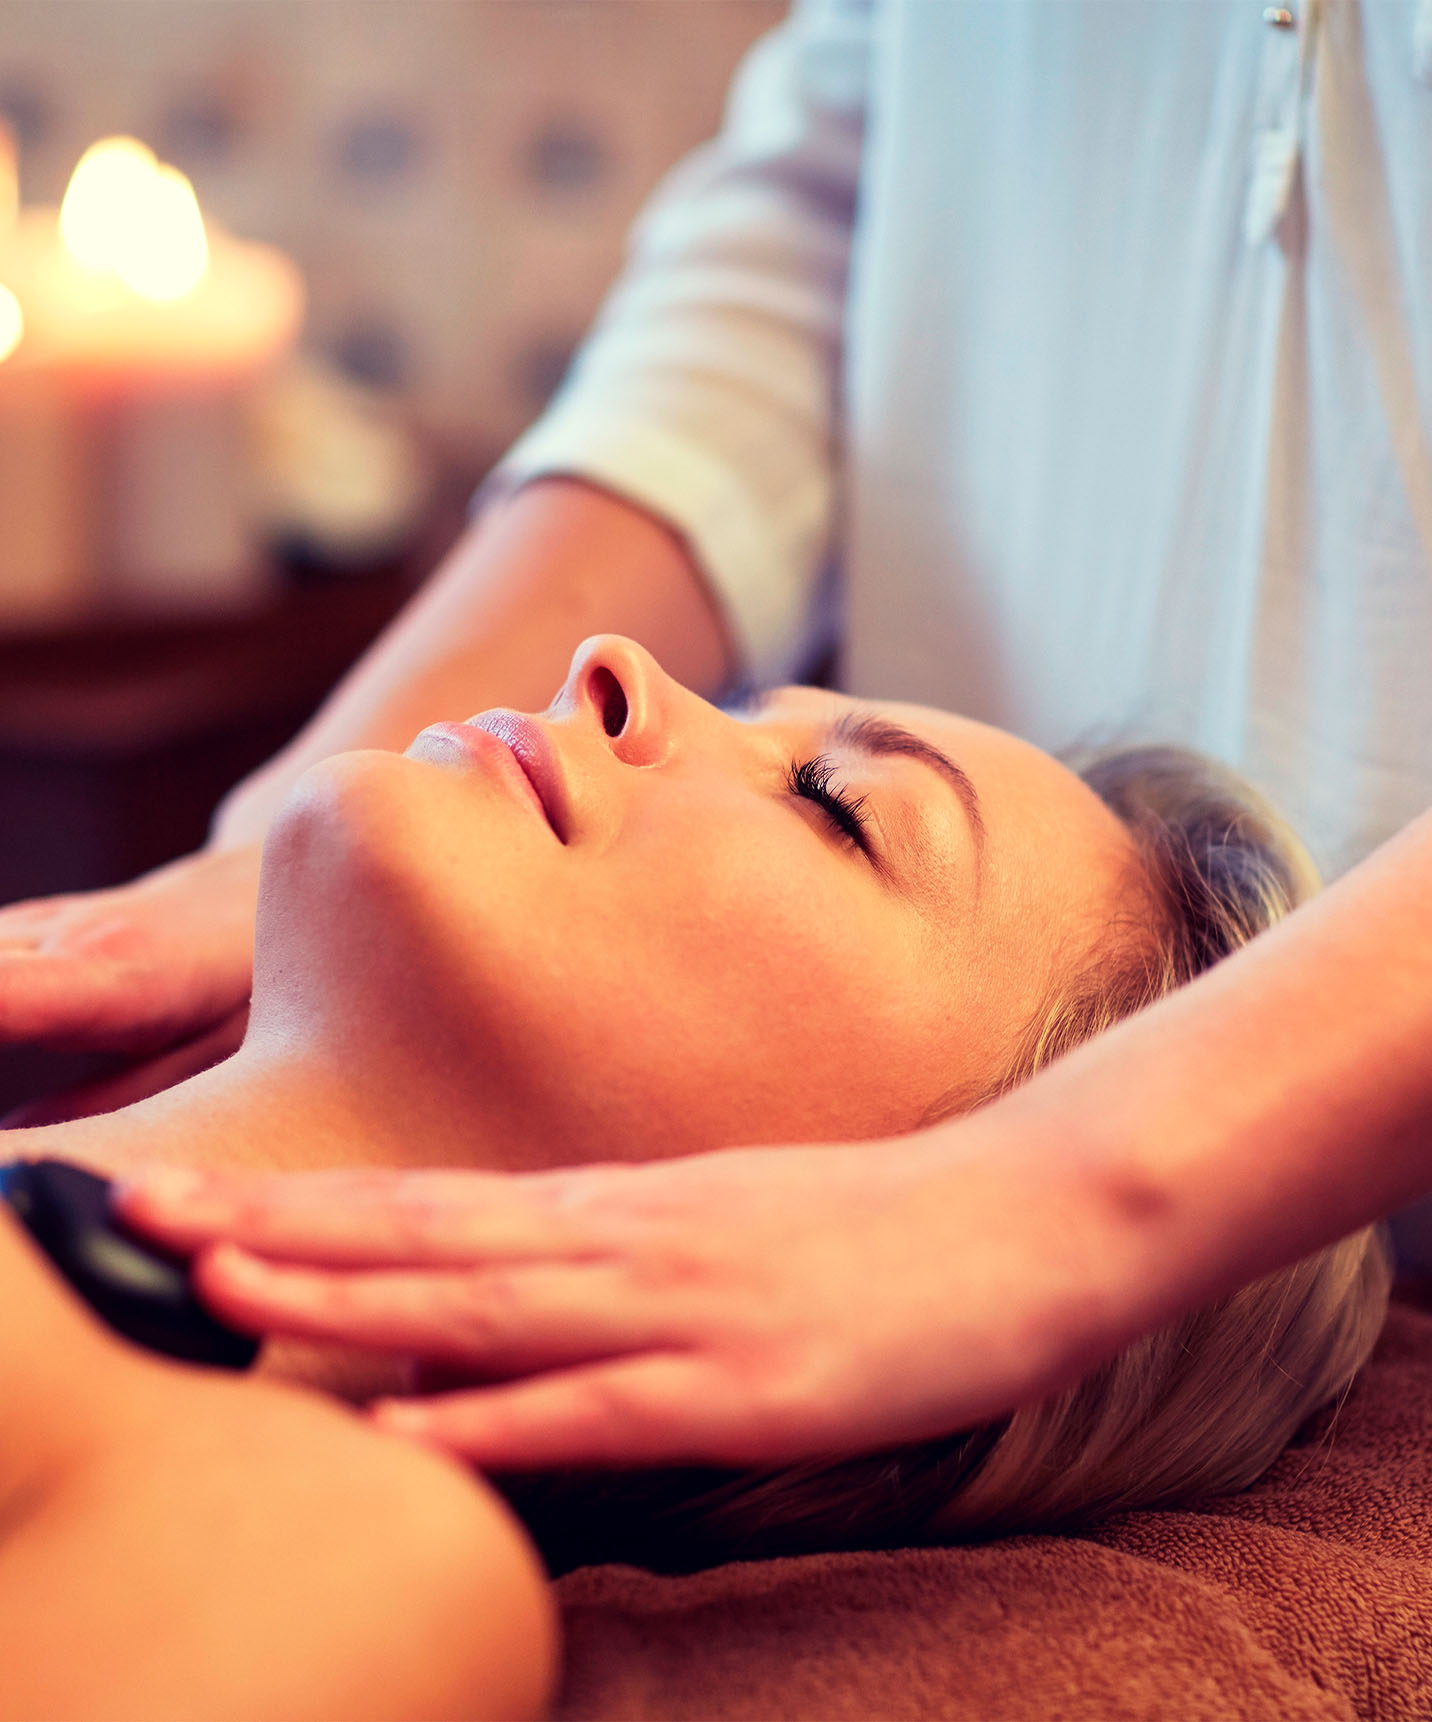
(135, 217)
(12, 323)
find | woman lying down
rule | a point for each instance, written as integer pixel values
(634, 927)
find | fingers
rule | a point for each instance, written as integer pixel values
(49, 998)
(658, 1408)
(364, 1219)
(75, 999)
(135, 968)
(30, 925)
(65, 962)
(494, 1322)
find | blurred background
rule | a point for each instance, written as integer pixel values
(207, 509)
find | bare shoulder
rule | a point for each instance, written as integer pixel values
(318, 1568)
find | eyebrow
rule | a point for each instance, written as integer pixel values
(878, 738)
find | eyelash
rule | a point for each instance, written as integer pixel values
(811, 779)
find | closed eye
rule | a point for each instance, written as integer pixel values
(814, 780)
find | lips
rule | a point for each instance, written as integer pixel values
(510, 747)
(529, 746)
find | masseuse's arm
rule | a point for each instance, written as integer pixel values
(171, 953)
(771, 1304)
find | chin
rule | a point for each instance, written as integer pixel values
(346, 930)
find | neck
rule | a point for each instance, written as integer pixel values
(269, 1109)
(260, 1110)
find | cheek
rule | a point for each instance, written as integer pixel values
(764, 997)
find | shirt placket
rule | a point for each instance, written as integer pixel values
(1285, 86)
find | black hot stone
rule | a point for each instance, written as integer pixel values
(143, 1292)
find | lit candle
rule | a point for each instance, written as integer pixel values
(138, 333)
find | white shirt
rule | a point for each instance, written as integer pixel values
(1090, 342)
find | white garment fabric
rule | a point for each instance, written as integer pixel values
(1089, 344)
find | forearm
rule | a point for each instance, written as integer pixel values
(497, 624)
(1282, 1100)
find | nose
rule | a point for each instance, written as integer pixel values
(617, 685)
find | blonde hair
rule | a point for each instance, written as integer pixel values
(1202, 1405)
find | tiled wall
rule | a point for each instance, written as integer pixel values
(454, 176)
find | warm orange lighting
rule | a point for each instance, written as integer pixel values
(12, 323)
(130, 215)
(9, 180)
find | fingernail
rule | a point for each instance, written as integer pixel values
(400, 1417)
(235, 1263)
(165, 1186)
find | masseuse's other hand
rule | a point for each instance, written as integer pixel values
(140, 967)
(744, 1307)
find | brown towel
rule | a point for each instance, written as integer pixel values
(1308, 1596)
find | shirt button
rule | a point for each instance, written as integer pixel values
(1279, 16)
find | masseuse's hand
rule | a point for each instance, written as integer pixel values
(141, 967)
(744, 1307)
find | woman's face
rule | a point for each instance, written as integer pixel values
(637, 925)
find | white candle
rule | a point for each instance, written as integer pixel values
(142, 331)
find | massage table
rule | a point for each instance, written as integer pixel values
(1303, 1599)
